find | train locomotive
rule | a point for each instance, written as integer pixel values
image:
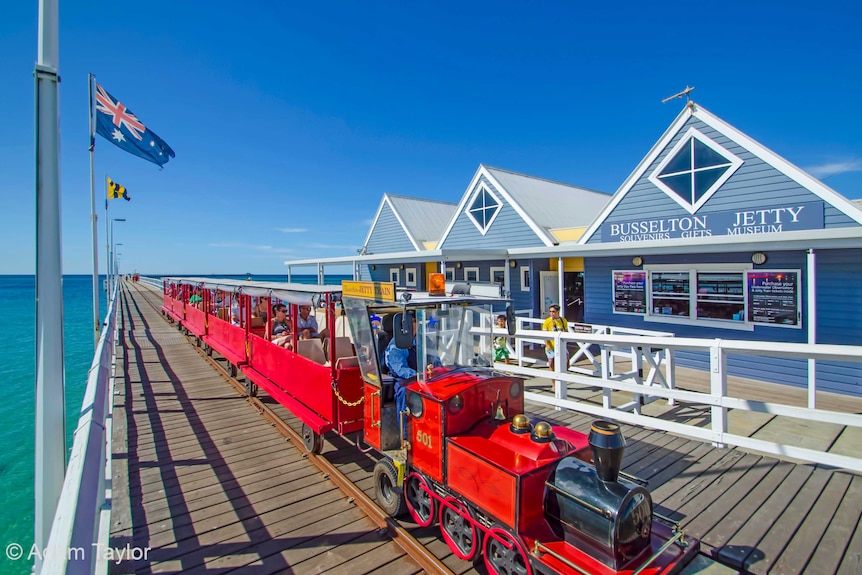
(454, 445)
(526, 497)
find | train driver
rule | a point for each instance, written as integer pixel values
(402, 366)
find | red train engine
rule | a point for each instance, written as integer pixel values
(530, 498)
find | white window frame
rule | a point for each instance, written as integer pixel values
(525, 273)
(395, 276)
(468, 270)
(407, 273)
(740, 268)
(450, 274)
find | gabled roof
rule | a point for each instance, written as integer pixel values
(543, 204)
(793, 172)
(422, 220)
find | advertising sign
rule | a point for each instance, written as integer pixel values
(774, 298)
(630, 292)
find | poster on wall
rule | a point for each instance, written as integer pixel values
(774, 298)
(630, 292)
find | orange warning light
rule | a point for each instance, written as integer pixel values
(437, 284)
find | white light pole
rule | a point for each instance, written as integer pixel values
(111, 260)
(117, 260)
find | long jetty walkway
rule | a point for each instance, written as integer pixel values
(210, 486)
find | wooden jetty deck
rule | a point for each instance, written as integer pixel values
(211, 487)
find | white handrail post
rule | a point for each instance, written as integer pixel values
(670, 373)
(637, 368)
(718, 384)
(561, 361)
(812, 327)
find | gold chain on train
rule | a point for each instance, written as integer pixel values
(344, 401)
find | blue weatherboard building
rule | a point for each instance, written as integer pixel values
(712, 236)
(715, 236)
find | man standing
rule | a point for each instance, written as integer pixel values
(553, 323)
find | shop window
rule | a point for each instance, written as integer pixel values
(708, 294)
(670, 293)
(720, 296)
(471, 274)
(395, 275)
(410, 277)
(498, 275)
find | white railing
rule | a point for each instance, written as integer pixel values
(650, 351)
(151, 282)
(80, 532)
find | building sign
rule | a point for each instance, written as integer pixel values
(781, 218)
(630, 292)
(380, 291)
(774, 298)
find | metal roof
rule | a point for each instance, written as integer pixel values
(551, 205)
(425, 220)
(408, 257)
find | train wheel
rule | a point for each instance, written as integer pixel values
(233, 371)
(313, 441)
(389, 496)
(209, 350)
(504, 555)
(250, 387)
(458, 529)
(420, 503)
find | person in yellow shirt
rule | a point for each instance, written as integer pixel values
(553, 323)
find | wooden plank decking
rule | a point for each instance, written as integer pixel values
(205, 483)
(211, 487)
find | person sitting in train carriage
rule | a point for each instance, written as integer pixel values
(306, 323)
(196, 299)
(260, 309)
(281, 327)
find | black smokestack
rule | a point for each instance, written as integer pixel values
(608, 445)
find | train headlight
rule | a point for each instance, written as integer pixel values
(515, 389)
(542, 432)
(456, 404)
(521, 424)
(415, 404)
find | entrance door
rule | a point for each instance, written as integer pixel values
(573, 290)
(549, 291)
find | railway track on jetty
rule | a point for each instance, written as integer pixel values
(341, 463)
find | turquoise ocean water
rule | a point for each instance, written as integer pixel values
(18, 377)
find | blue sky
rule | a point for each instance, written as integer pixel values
(291, 120)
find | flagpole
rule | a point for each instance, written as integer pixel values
(94, 218)
(50, 424)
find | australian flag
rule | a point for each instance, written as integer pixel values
(118, 124)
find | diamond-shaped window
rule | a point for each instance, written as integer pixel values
(694, 170)
(483, 209)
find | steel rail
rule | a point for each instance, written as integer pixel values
(426, 560)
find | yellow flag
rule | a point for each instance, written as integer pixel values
(116, 191)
